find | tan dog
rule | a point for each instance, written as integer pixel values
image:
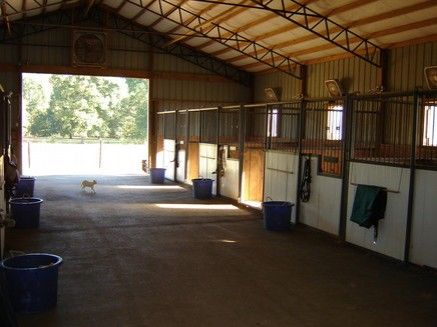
(89, 184)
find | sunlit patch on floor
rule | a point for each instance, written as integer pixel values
(150, 187)
(227, 241)
(197, 206)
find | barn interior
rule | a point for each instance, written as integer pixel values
(299, 101)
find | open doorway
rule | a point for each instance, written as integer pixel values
(75, 124)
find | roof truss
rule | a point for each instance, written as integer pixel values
(203, 27)
(317, 24)
(111, 21)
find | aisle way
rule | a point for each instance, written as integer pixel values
(133, 258)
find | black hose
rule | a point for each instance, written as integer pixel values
(305, 186)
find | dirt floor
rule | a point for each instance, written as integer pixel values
(132, 258)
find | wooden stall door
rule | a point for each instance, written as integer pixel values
(253, 176)
(193, 162)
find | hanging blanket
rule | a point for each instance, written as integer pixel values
(369, 205)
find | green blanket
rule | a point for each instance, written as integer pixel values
(369, 205)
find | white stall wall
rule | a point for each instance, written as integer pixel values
(391, 229)
(208, 163)
(280, 179)
(423, 250)
(168, 158)
(322, 211)
(229, 181)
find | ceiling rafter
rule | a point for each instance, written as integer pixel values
(88, 6)
(25, 10)
(120, 6)
(236, 41)
(3, 9)
(191, 19)
(247, 26)
(389, 31)
(360, 22)
(338, 10)
(218, 19)
(160, 19)
(115, 22)
(44, 6)
(143, 10)
(365, 49)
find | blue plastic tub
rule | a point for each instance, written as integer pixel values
(277, 215)
(32, 281)
(202, 188)
(25, 212)
(157, 175)
(25, 186)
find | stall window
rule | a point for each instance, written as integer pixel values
(430, 124)
(334, 123)
(273, 119)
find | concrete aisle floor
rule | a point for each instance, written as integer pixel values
(128, 262)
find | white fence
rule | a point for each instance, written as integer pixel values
(73, 159)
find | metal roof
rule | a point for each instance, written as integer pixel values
(260, 35)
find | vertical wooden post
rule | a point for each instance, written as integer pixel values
(241, 135)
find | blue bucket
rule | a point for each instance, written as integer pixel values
(32, 281)
(202, 188)
(157, 175)
(25, 186)
(25, 212)
(277, 215)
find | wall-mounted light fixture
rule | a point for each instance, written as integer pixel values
(272, 94)
(334, 88)
(431, 77)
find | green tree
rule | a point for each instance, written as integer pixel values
(34, 101)
(135, 109)
(89, 106)
(80, 105)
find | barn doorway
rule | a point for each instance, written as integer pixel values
(76, 124)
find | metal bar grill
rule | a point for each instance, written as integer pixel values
(382, 129)
(284, 126)
(256, 127)
(322, 133)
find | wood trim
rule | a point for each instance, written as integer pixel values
(52, 69)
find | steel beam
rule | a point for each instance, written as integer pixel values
(64, 19)
(204, 27)
(319, 25)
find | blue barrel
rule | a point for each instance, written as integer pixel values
(277, 215)
(202, 188)
(32, 281)
(25, 186)
(25, 212)
(157, 175)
